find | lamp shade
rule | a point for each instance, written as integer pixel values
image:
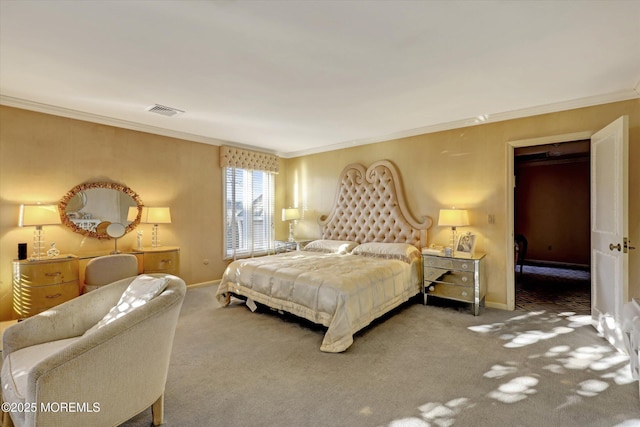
(453, 218)
(155, 215)
(290, 214)
(39, 215)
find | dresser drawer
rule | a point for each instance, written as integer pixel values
(31, 300)
(456, 292)
(162, 262)
(42, 274)
(449, 263)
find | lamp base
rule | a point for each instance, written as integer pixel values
(155, 237)
(291, 238)
(38, 243)
(453, 238)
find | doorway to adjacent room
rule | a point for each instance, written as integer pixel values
(552, 227)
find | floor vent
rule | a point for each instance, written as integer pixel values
(165, 111)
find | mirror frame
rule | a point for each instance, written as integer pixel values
(62, 207)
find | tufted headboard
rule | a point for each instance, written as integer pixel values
(369, 207)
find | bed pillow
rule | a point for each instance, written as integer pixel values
(140, 291)
(331, 246)
(402, 251)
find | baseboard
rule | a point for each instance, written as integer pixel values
(203, 284)
(498, 305)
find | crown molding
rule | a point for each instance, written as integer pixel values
(109, 121)
(490, 118)
(103, 120)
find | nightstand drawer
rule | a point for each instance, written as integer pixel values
(433, 274)
(460, 293)
(453, 277)
(449, 263)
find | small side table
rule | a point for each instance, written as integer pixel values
(291, 246)
(285, 246)
(459, 279)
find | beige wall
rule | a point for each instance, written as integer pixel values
(467, 168)
(43, 156)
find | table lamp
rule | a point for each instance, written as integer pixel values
(38, 215)
(291, 215)
(155, 216)
(453, 218)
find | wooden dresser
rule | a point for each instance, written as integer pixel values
(41, 284)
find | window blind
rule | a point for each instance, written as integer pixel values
(249, 199)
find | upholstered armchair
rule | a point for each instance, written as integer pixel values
(58, 373)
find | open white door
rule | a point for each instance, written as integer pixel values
(609, 228)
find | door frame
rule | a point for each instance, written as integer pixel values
(511, 146)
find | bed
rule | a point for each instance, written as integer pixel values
(366, 262)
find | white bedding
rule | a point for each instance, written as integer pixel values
(342, 292)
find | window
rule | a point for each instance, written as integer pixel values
(248, 212)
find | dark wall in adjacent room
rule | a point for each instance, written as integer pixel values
(552, 209)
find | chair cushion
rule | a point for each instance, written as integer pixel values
(107, 269)
(141, 290)
(17, 365)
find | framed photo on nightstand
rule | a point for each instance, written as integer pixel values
(465, 246)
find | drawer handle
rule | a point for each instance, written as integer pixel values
(57, 273)
(464, 293)
(464, 279)
(53, 296)
(465, 266)
(168, 261)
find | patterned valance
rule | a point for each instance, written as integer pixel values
(246, 159)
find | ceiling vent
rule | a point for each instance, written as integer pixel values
(165, 111)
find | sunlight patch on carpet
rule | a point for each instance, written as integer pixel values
(515, 390)
(516, 339)
(590, 388)
(499, 371)
(409, 422)
(600, 366)
(629, 423)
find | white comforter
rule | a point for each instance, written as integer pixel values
(343, 292)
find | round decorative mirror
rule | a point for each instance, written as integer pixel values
(90, 208)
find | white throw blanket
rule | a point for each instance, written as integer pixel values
(343, 292)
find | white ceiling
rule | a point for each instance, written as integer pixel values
(297, 77)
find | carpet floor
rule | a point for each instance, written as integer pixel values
(418, 366)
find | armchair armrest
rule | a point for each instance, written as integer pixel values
(69, 319)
